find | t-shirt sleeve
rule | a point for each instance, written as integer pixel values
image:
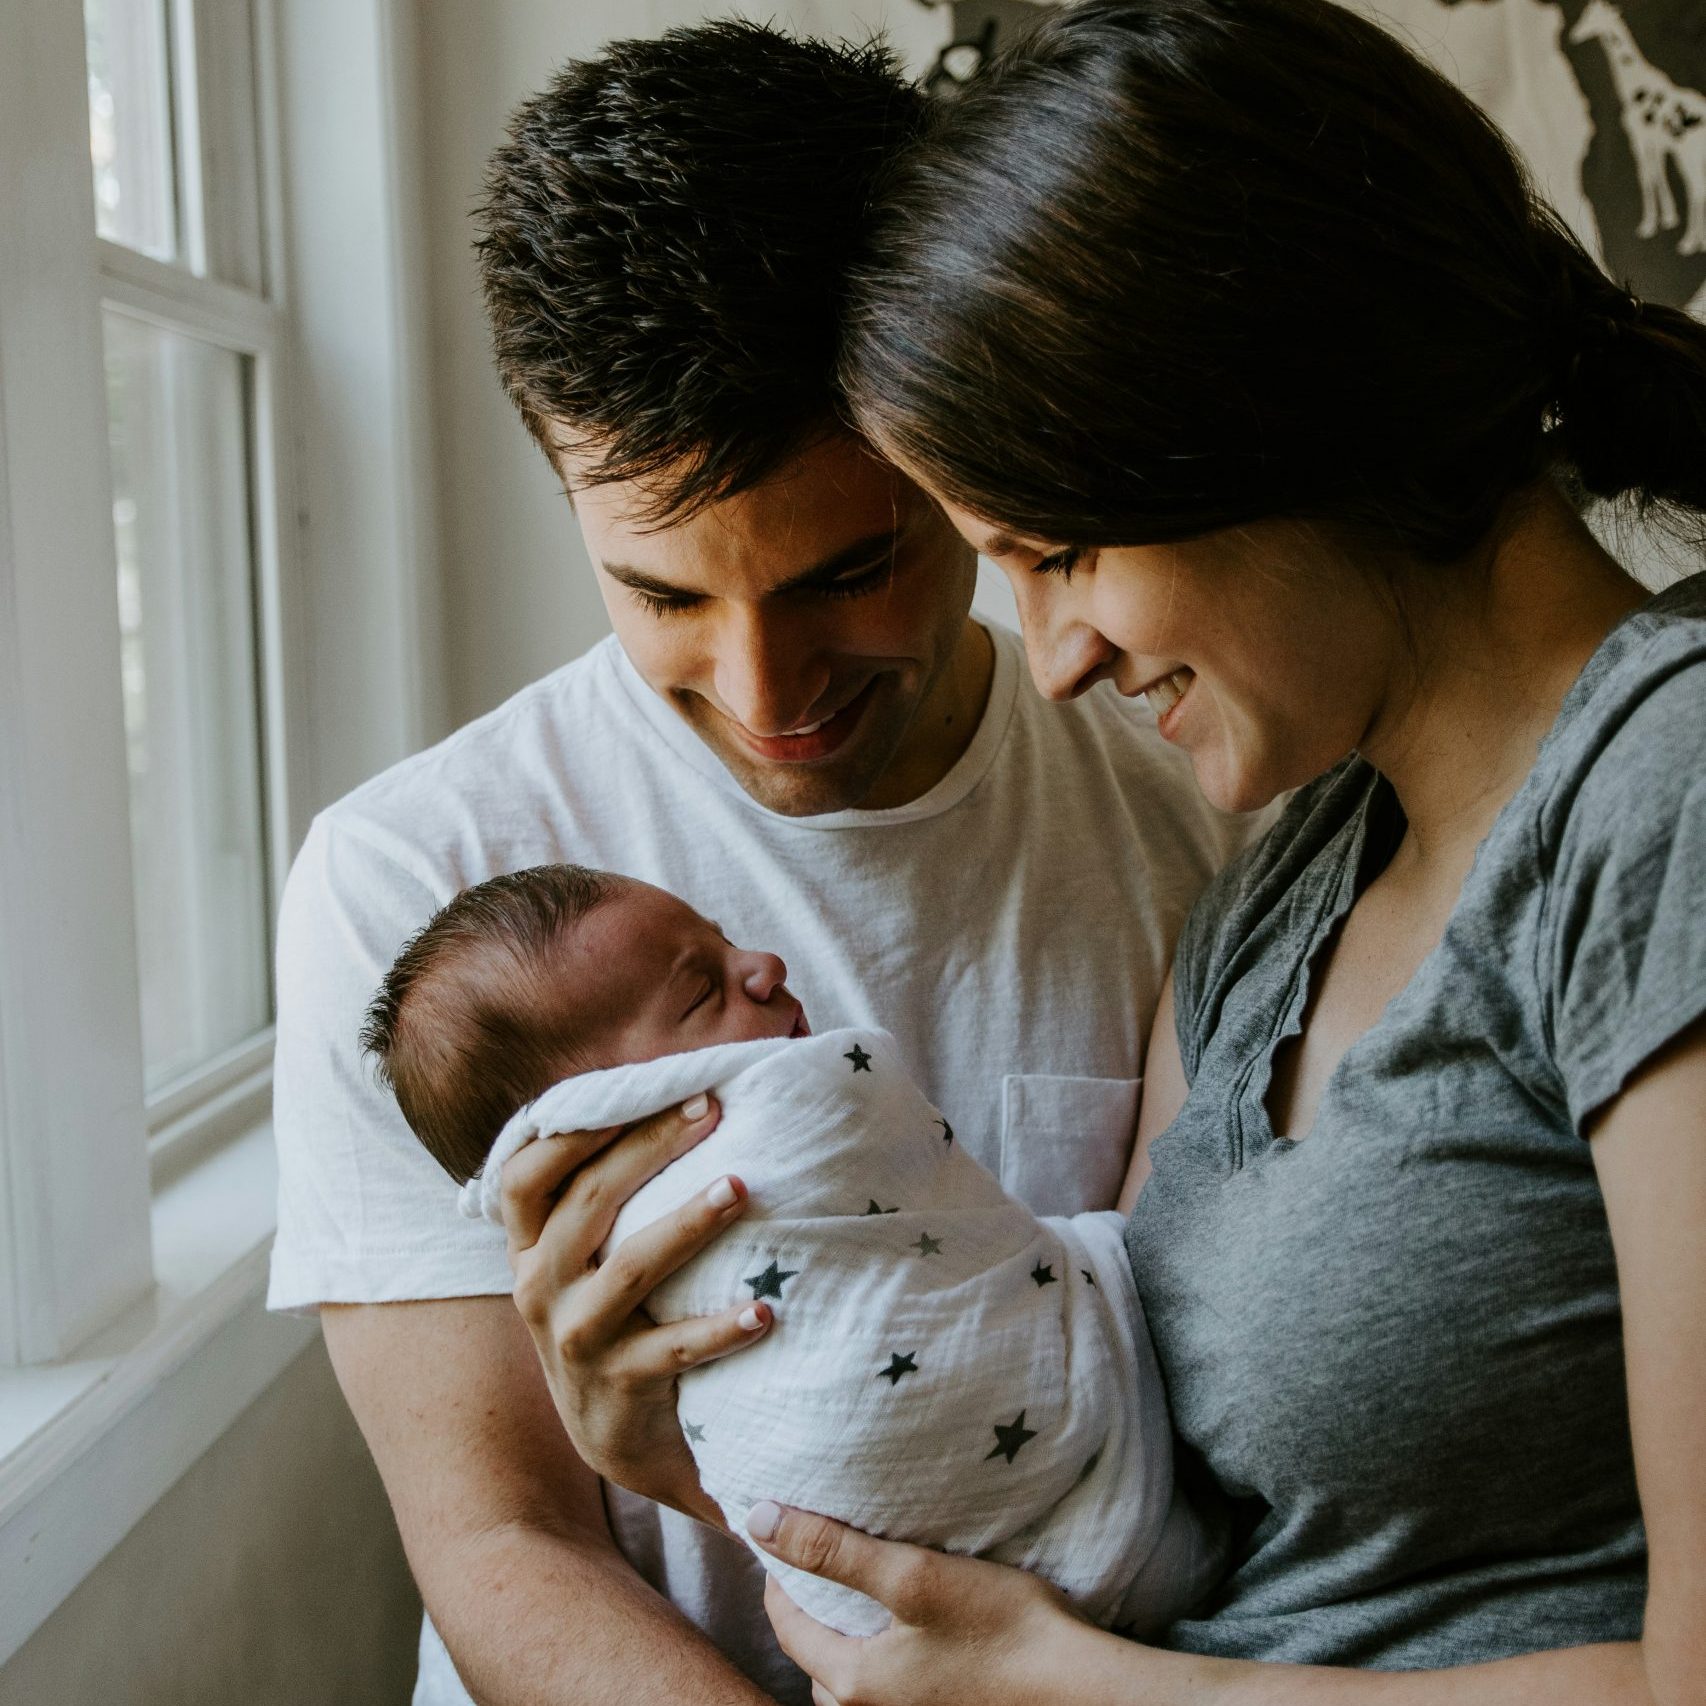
(1628, 896)
(365, 1215)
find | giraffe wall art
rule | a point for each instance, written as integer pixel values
(1665, 124)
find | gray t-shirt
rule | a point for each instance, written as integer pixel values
(1397, 1344)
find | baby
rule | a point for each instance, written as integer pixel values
(944, 1366)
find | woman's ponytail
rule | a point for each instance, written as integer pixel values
(1630, 382)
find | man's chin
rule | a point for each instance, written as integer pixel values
(797, 790)
(836, 784)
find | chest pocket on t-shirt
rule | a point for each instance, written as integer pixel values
(1066, 1142)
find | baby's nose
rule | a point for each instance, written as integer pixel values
(765, 976)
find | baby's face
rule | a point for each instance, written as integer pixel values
(655, 978)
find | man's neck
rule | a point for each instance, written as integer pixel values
(943, 729)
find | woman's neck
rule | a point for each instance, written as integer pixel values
(1496, 649)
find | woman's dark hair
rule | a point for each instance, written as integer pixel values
(1179, 265)
(471, 1022)
(661, 245)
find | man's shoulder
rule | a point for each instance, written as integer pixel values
(496, 760)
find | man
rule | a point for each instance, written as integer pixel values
(799, 730)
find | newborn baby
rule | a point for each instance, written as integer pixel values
(944, 1366)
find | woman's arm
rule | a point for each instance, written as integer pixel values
(610, 1368)
(969, 1633)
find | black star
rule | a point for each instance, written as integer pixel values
(1011, 1438)
(693, 1431)
(947, 1131)
(1088, 1275)
(874, 1209)
(928, 1246)
(861, 1060)
(769, 1283)
(898, 1365)
(1042, 1275)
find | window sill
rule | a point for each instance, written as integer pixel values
(89, 1444)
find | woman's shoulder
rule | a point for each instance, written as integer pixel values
(1621, 834)
(1630, 741)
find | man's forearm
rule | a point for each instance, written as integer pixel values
(535, 1618)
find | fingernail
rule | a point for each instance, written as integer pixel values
(696, 1109)
(722, 1194)
(750, 1319)
(763, 1520)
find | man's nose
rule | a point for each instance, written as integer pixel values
(763, 975)
(766, 671)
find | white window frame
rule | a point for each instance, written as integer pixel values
(134, 1232)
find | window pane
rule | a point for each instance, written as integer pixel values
(179, 416)
(130, 124)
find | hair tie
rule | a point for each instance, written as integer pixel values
(1595, 331)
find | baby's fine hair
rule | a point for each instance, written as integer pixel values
(472, 1021)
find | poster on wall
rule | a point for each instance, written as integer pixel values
(1606, 100)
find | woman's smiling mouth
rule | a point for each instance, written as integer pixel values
(1164, 695)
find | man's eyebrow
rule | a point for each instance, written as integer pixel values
(998, 545)
(823, 573)
(637, 580)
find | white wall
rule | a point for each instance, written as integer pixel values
(270, 1575)
(518, 595)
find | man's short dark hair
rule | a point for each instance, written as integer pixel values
(662, 243)
(471, 1022)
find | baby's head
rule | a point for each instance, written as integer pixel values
(534, 977)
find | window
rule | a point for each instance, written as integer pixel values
(179, 541)
(178, 411)
(143, 597)
(177, 191)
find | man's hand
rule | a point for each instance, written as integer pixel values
(610, 1368)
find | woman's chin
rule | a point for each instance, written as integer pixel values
(1231, 787)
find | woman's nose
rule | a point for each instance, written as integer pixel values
(1066, 654)
(763, 976)
(1069, 661)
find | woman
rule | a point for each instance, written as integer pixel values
(1235, 335)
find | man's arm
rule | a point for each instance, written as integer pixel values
(1164, 1091)
(504, 1526)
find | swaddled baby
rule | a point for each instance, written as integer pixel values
(944, 1366)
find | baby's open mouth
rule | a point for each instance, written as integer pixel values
(800, 1028)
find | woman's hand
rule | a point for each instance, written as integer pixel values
(611, 1369)
(965, 1632)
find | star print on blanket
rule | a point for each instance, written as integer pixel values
(944, 1366)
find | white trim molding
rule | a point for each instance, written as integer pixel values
(74, 1241)
(89, 1444)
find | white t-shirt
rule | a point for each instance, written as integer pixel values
(1011, 928)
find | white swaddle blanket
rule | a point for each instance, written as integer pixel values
(944, 1367)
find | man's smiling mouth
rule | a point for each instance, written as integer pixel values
(811, 741)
